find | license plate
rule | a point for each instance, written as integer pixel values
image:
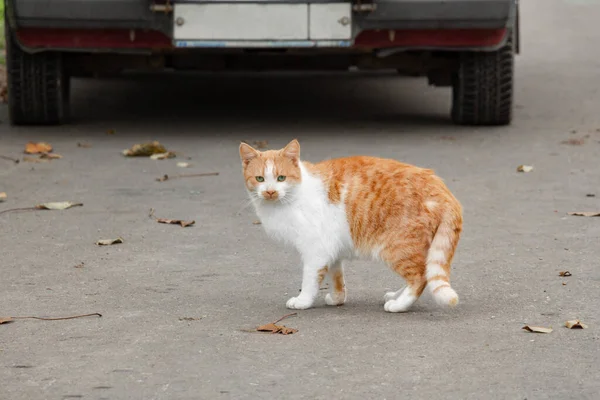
(262, 24)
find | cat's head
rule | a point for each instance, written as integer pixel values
(273, 174)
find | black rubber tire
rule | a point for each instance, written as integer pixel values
(38, 88)
(482, 89)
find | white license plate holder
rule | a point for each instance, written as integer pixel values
(244, 24)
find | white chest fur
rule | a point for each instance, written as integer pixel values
(307, 220)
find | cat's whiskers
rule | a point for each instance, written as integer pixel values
(287, 199)
(248, 202)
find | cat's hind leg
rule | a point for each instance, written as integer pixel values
(393, 295)
(337, 296)
(407, 296)
(412, 269)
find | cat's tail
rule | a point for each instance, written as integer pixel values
(439, 257)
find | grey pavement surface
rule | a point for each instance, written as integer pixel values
(226, 272)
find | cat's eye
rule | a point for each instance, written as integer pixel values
(260, 178)
(281, 178)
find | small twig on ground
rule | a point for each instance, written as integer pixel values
(151, 214)
(284, 317)
(15, 160)
(197, 175)
(60, 318)
(20, 209)
(168, 177)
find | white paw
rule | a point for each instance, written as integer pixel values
(296, 303)
(392, 295)
(335, 299)
(396, 306)
(389, 296)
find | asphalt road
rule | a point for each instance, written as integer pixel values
(226, 274)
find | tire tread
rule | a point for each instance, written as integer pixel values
(483, 87)
(37, 86)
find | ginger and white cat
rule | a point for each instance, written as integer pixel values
(352, 207)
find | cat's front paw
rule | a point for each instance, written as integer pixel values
(297, 303)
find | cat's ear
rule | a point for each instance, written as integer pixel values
(247, 153)
(292, 150)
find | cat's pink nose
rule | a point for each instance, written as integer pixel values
(271, 194)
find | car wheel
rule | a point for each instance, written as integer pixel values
(482, 88)
(38, 88)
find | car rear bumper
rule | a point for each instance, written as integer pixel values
(133, 24)
(439, 14)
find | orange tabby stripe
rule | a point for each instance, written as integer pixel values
(338, 281)
(322, 272)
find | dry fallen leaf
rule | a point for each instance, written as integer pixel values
(61, 205)
(573, 142)
(175, 222)
(537, 329)
(284, 330)
(80, 265)
(2, 196)
(575, 324)
(36, 148)
(268, 328)
(145, 149)
(257, 222)
(183, 164)
(108, 242)
(261, 144)
(5, 320)
(585, 213)
(274, 328)
(50, 156)
(162, 156)
(564, 273)
(524, 168)
(163, 178)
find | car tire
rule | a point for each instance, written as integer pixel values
(38, 87)
(482, 88)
